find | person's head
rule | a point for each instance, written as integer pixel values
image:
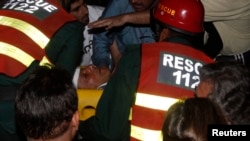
(2, 2)
(91, 77)
(64, 3)
(79, 10)
(141, 5)
(187, 120)
(46, 105)
(227, 84)
(181, 16)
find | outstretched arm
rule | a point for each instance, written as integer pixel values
(120, 20)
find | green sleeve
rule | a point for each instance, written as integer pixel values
(65, 48)
(111, 121)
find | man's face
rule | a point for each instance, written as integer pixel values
(92, 77)
(80, 11)
(141, 5)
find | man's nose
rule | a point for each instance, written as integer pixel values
(91, 67)
(84, 8)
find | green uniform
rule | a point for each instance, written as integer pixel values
(111, 121)
(64, 50)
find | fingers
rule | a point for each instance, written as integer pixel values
(109, 26)
(98, 24)
(108, 23)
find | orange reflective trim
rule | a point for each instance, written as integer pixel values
(32, 32)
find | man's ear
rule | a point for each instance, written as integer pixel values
(164, 34)
(75, 120)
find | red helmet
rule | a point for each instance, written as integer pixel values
(181, 15)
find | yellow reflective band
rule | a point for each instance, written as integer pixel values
(32, 32)
(154, 102)
(130, 114)
(45, 61)
(145, 134)
(16, 53)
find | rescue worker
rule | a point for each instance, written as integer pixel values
(33, 33)
(46, 105)
(227, 83)
(226, 25)
(150, 77)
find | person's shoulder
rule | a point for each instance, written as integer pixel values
(73, 25)
(72, 29)
(95, 12)
(95, 8)
(117, 7)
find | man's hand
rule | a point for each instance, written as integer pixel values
(108, 23)
(120, 20)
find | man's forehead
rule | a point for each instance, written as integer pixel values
(76, 4)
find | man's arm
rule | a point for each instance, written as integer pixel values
(111, 121)
(120, 20)
(65, 48)
(224, 10)
(103, 40)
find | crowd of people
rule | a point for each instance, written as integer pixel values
(167, 68)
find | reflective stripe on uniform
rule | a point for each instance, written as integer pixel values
(19, 55)
(144, 134)
(16, 53)
(32, 32)
(45, 61)
(154, 102)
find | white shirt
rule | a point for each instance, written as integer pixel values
(231, 18)
(94, 13)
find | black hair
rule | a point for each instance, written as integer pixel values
(45, 103)
(231, 89)
(187, 120)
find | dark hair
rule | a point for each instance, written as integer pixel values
(45, 103)
(187, 120)
(231, 89)
(2, 2)
(66, 4)
(157, 28)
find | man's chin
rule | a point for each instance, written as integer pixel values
(139, 8)
(85, 21)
